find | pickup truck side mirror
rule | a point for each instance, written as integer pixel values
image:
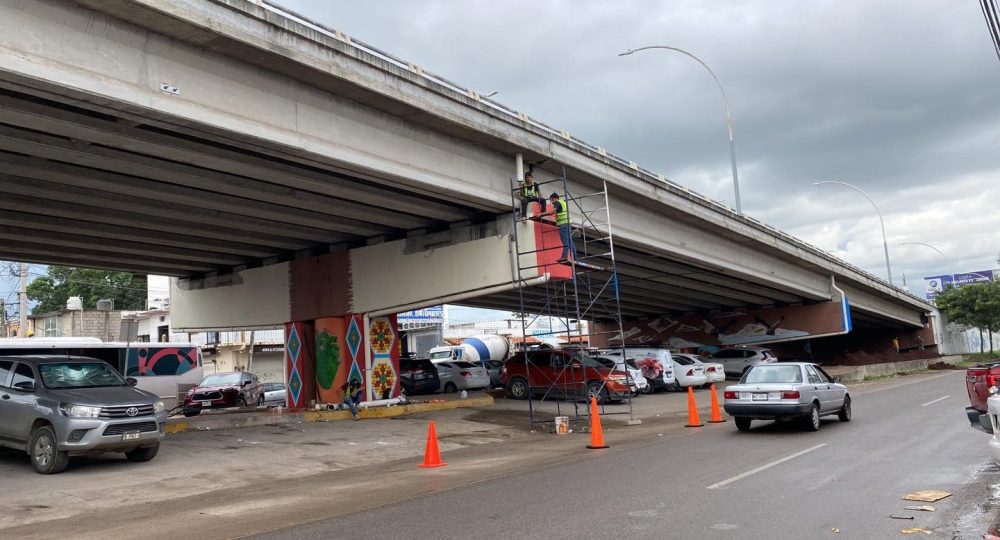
(25, 386)
(131, 381)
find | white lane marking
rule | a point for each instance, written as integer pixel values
(764, 467)
(935, 401)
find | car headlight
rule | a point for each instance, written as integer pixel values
(158, 406)
(81, 411)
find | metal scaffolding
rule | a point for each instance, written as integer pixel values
(564, 377)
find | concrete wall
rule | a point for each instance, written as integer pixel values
(385, 277)
(853, 374)
(260, 297)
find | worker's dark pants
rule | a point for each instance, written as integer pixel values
(526, 200)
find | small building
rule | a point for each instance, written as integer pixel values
(103, 324)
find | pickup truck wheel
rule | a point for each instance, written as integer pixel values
(143, 454)
(241, 402)
(742, 423)
(517, 388)
(46, 458)
(812, 421)
(845, 412)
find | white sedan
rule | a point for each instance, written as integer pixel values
(637, 383)
(688, 372)
(714, 372)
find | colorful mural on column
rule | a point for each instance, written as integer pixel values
(383, 366)
(300, 364)
(738, 327)
(331, 356)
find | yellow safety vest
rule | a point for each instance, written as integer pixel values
(562, 217)
(530, 191)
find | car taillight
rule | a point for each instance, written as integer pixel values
(991, 380)
(465, 373)
(710, 369)
(690, 372)
(794, 394)
(729, 395)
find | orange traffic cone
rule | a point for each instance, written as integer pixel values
(432, 457)
(716, 414)
(596, 432)
(693, 420)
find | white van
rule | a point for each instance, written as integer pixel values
(655, 362)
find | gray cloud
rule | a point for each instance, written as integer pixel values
(896, 97)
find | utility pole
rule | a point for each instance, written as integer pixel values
(22, 290)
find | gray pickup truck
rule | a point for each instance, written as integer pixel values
(54, 407)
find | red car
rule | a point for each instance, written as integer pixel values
(221, 390)
(560, 373)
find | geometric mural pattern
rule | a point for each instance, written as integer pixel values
(382, 339)
(294, 348)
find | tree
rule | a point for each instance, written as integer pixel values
(52, 290)
(975, 305)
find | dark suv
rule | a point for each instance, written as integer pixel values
(418, 376)
(220, 390)
(551, 372)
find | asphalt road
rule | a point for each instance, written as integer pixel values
(714, 482)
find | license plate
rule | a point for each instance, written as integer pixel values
(758, 396)
(130, 436)
(206, 403)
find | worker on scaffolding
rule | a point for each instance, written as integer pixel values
(561, 211)
(529, 194)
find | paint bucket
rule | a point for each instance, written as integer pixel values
(562, 425)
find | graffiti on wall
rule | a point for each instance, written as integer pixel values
(153, 360)
(739, 327)
(331, 353)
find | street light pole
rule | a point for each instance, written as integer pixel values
(885, 244)
(729, 114)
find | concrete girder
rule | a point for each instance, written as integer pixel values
(117, 134)
(512, 303)
(537, 298)
(38, 222)
(228, 190)
(137, 192)
(28, 203)
(23, 251)
(630, 277)
(69, 192)
(693, 279)
(92, 244)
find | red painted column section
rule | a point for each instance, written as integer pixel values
(549, 247)
(300, 364)
(383, 358)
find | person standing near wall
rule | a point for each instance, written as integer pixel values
(895, 344)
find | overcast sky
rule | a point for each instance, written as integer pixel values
(898, 98)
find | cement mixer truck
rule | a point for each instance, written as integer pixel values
(475, 349)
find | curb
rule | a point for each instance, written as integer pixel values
(856, 374)
(251, 419)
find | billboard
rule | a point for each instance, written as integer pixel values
(431, 315)
(935, 285)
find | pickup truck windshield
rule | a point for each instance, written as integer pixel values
(80, 375)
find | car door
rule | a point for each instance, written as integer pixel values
(22, 401)
(837, 391)
(6, 405)
(822, 389)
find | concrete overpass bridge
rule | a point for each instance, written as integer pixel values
(289, 174)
